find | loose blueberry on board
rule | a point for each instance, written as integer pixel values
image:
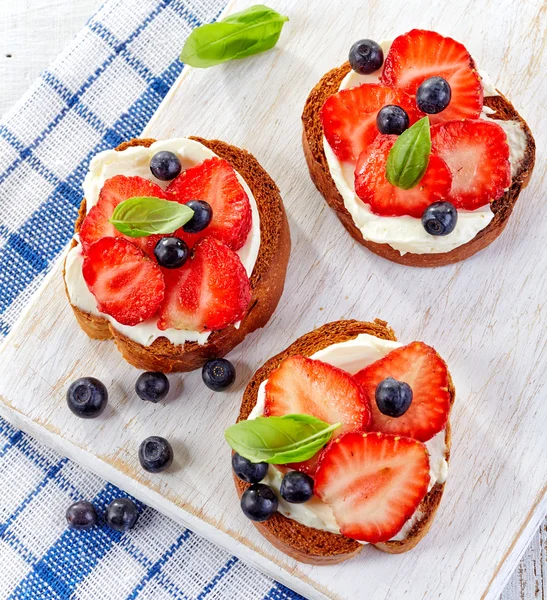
(152, 386)
(203, 213)
(440, 218)
(122, 514)
(171, 252)
(433, 95)
(296, 487)
(155, 454)
(393, 397)
(218, 374)
(392, 120)
(366, 56)
(259, 502)
(81, 515)
(87, 397)
(165, 165)
(248, 471)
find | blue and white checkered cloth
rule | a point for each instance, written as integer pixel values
(101, 90)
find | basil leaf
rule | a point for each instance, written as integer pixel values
(251, 31)
(142, 216)
(279, 440)
(409, 156)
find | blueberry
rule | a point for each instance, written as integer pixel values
(440, 218)
(296, 487)
(203, 213)
(259, 502)
(392, 119)
(81, 515)
(87, 397)
(433, 95)
(171, 252)
(248, 471)
(366, 56)
(152, 386)
(155, 454)
(165, 165)
(218, 374)
(122, 514)
(393, 397)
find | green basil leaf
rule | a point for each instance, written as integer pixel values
(409, 156)
(279, 440)
(242, 34)
(142, 215)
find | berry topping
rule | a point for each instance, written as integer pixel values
(477, 154)
(203, 214)
(433, 95)
(126, 284)
(259, 502)
(155, 454)
(393, 397)
(419, 366)
(121, 514)
(165, 165)
(373, 482)
(218, 374)
(171, 252)
(440, 218)
(152, 386)
(392, 120)
(87, 397)
(81, 515)
(366, 56)
(248, 471)
(296, 487)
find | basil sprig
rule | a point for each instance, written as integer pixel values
(242, 34)
(146, 215)
(409, 156)
(279, 440)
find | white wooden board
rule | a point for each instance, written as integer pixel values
(485, 316)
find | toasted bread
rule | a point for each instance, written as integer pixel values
(304, 543)
(267, 279)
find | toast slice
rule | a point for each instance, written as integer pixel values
(267, 279)
(307, 544)
(312, 140)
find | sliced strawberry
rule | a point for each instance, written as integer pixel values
(420, 54)
(215, 181)
(209, 292)
(372, 186)
(349, 117)
(126, 284)
(425, 372)
(373, 482)
(477, 153)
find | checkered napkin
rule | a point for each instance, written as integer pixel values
(101, 90)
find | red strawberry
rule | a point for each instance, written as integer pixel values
(477, 153)
(419, 54)
(349, 117)
(215, 181)
(373, 482)
(425, 372)
(126, 284)
(372, 186)
(209, 292)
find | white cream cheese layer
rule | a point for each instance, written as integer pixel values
(407, 234)
(351, 356)
(136, 161)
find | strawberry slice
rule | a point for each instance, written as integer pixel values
(477, 153)
(215, 181)
(373, 482)
(373, 188)
(209, 292)
(126, 284)
(424, 370)
(418, 55)
(349, 117)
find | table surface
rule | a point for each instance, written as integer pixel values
(32, 32)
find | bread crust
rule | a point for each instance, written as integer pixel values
(312, 141)
(267, 279)
(307, 544)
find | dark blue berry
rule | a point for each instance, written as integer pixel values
(392, 120)
(87, 397)
(296, 487)
(433, 96)
(165, 165)
(171, 252)
(259, 502)
(393, 397)
(122, 514)
(440, 218)
(366, 56)
(203, 213)
(81, 515)
(152, 386)
(155, 454)
(248, 471)
(218, 374)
